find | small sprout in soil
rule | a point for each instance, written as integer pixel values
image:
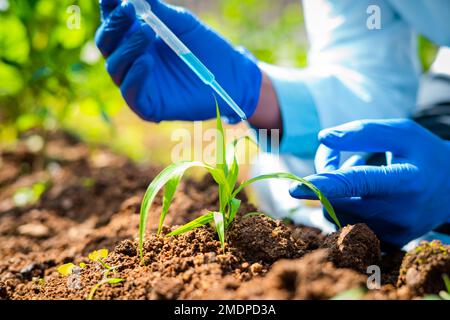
(102, 282)
(96, 256)
(225, 174)
(30, 195)
(99, 256)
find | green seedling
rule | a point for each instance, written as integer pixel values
(225, 174)
(98, 257)
(102, 282)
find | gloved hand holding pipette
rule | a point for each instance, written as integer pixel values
(156, 83)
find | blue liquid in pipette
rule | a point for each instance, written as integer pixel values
(208, 78)
(198, 67)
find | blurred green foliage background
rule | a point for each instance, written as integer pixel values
(52, 76)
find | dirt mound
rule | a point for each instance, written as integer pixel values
(355, 247)
(312, 237)
(262, 239)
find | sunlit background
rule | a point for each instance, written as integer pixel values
(53, 77)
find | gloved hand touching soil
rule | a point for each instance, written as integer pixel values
(155, 83)
(401, 201)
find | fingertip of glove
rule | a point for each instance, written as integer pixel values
(144, 33)
(328, 136)
(299, 190)
(141, 34)
(126, 10)
(108, 3)
(293, 189)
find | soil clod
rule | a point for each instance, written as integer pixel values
(260, 238)
(355, 247)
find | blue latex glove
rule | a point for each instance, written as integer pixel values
(155, 83)
(399, 202)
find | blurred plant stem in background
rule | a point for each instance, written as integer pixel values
(52, 76)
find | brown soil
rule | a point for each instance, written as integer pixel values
(261, 239)
(311, 277)
(422, 268)
(93, 201)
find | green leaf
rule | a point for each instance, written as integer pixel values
(98, 255)
(114, 280)
(65, 269)
(169, 192)
(221, 163)
(446, 282)
(174, 170)
(93, 290)
(351, 294)
(234, 207)
(14, 41)
(233, 165)
(200, 221)
(289, 176)
(444, 295)
(224, 196)
(29, 195)
(11, 81)
(102, 282)
(220, 227)
(431, 297)
(221, 158)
